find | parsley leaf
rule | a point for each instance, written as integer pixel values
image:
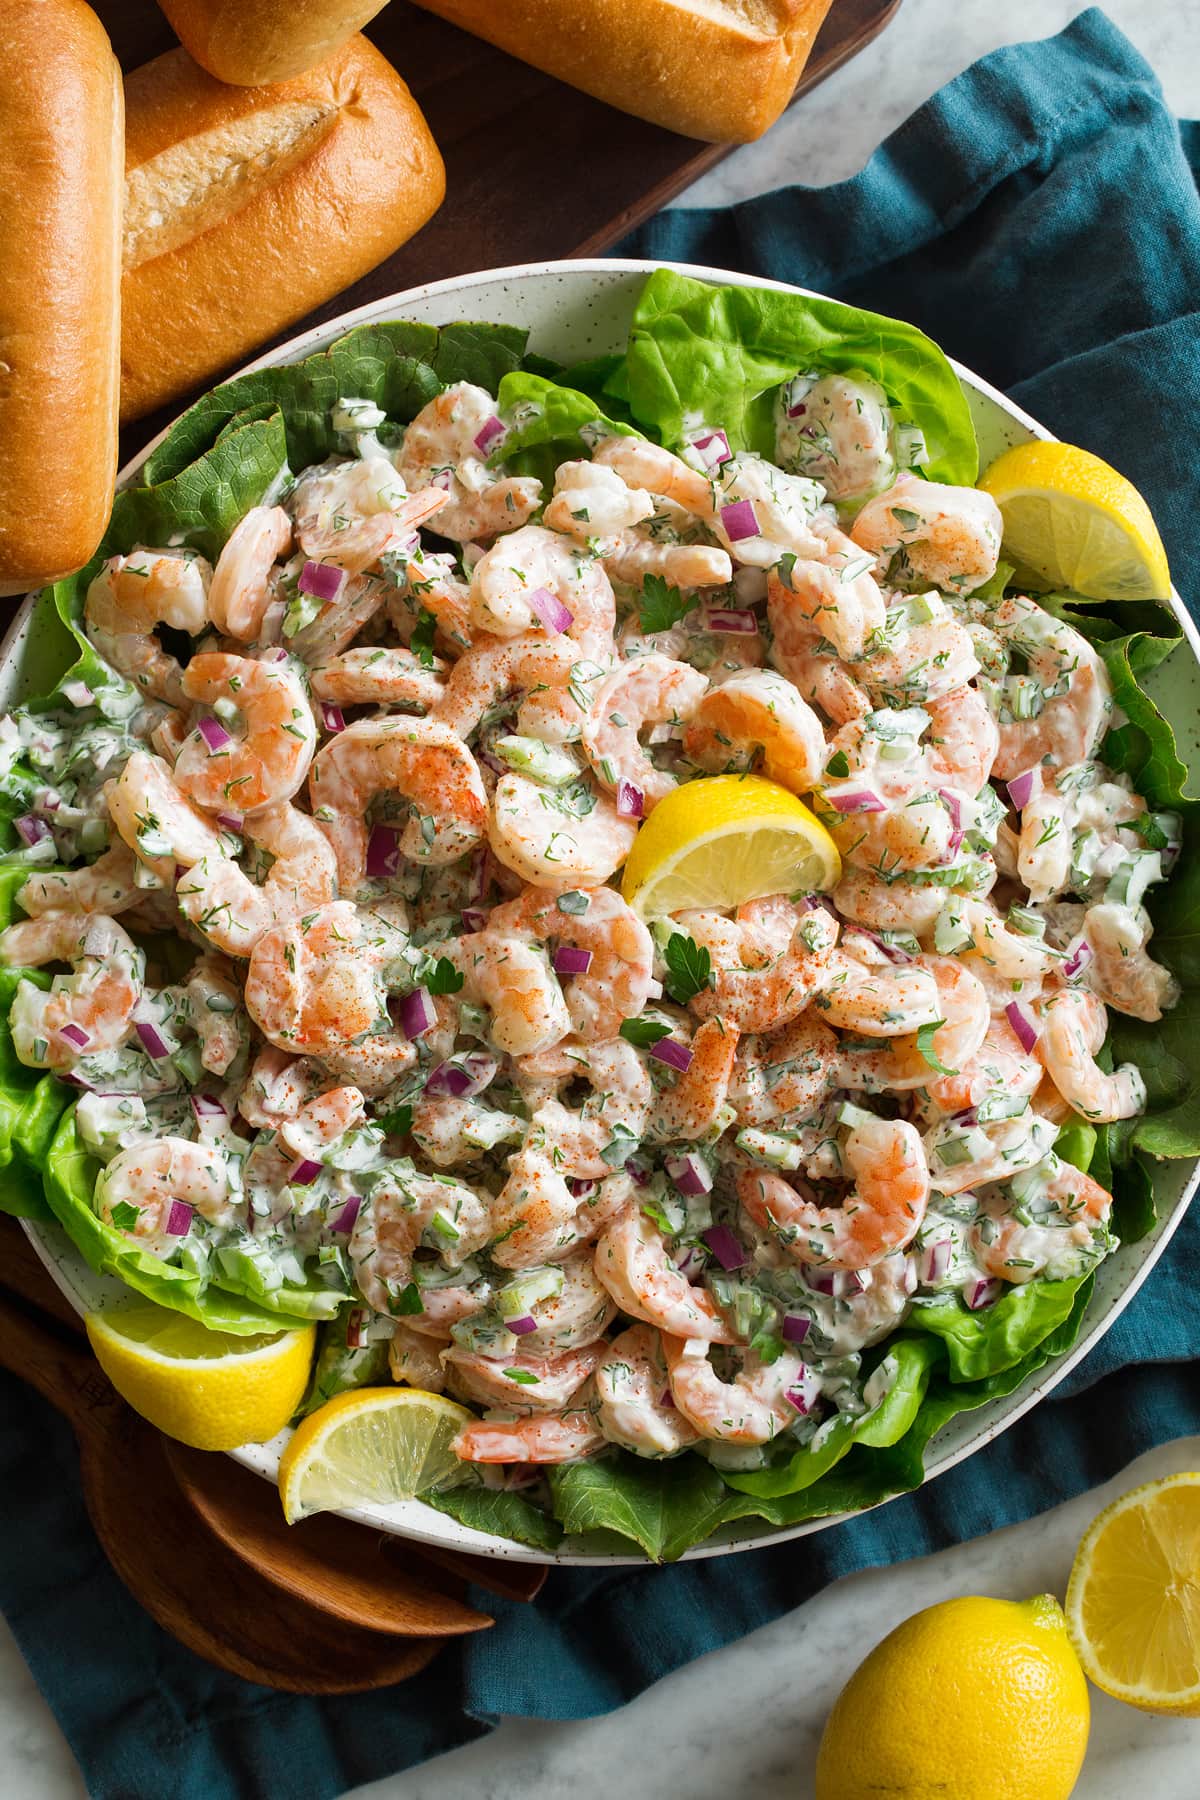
(408, 1300)
(689, 968)
(443, 977)
(124, 1216)
(838, 764)
(925, 1046)
(522, 1377)
(663, 606)
(399, 1122)
(644, 1032)
(421, 641)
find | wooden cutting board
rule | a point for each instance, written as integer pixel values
(534, 170)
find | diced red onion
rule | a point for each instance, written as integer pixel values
(740, 520)
(1079, 955)
(32, 829)
(855, 800)
(473, 918)
(798, 410)
(570, 961)
(967, 1117)
(1025, 1026)
(631, 802)
(417, 1013)
(674, 1054)
(732, 620)
(306, 1170)
(488, 432)
(712, 447)
(982, 1293)
(937, 1260)
(805, 1391)
(153, 1042)
(332, 718)
(693, 1261)
(230, 821)
(78, 693)
(179, 1219)
(383, 852)
(75, 1034)
(838, 1284)
(278, 655)
(523, 1326)
(893, 952)
(690, 1173)
(447, 1079)
(637, 1172)
(356, 1328)
(550, 610)
(214, 735)
(322, 580)
(581, 1189)
(796, 1327)
(667, 1399)
(1020, 788)
(724, 1246)
(442, 478)
(206, 1107)
(344, 1222)
(465, 1077)
(953, 803)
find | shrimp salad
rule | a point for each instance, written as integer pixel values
(319, 932)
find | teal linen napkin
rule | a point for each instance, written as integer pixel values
(1040, 219)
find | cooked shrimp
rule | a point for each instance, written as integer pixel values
(426, 582)
(616, 982)
(768, 961)
(322, 1120)
(276, 734)
(106, 886)
(644, 466)
(130, 596)
(376, 676)
(536, 1438)
(636, 1409)
(819, 677)
(634, 1264)
(315, 987)
(520, 586)
(403, 1212)
(616, 1110)
(241, 589)
(158, 822)
(422, 760)
(1077, 700)
(962, 1157)
(830, 594)
(963, 739)
(1007, 962)
(1073, 1030)
(947, 536)
(214, 1002)
(493, 670)
(780, 508)
(558, 837)
(895, 904)
(228, 909)
(882, 1212)
(885, 1000)
(580, 1313)
(414, 1360)
(89, 1010)
(762, 1400)
(757, 719)
(541, 1384)
(694, 1104)
(352, 513)
(634, 557)
(1073, 1212)
(592, 502)
(906, 1063)
(836, 429)
(916, 665)
(340, 620)
(440, 449)
(787, 1074)
(514, 980)
(650, 691)
(277, 1087)
(1122, 972)
(165, 1182)
(538, 1217)
(999, 1066)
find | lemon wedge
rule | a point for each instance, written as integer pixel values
(1071, 521)
(1133, 1603)
(205, 1388)
(370, 1448)
(725, 839)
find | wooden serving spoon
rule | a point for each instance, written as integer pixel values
(188, 1580)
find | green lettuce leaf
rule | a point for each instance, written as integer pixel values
(70, 1180)
(31, 1102)
(699, 353)
(499, 1512)
(338, 1369)
(399, 364)
(665, 1507)
(981, 1344)
(546, 432)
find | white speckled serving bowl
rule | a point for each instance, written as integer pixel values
(575, 310)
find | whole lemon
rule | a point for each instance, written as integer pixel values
(973, 1699)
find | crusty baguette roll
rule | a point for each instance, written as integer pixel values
(60, 224)
(251, 42)
(717, 69)
(247, 207)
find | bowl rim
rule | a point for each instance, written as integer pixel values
(447, 1532)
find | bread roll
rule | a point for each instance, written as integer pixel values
(717, 69)
(250, 42)
(247, 207)
(60, 224)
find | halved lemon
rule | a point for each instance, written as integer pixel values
(1133, 1602)
(205, 1388)
(725, 839)
(370, 1448)
(1072, 521)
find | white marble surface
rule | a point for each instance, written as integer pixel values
(747, 1719)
